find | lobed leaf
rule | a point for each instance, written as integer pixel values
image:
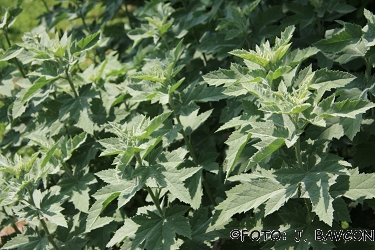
(246, 196)
(160, 232)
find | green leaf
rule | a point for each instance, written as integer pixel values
(194, 185)
(38, 84)
(159, 232)
(152, 125)
(318, 173)
(332, 129)
(154, 172)
(113, 146)
(369, 29)
(78, 109)
(221, 76)
(68, 146)
(325, 80)
(279, 72)
(344, 46)
(192, 121)
(12, 52)
(251, 56)
(236, 142)
(199, 92)
(237, 122)
(138, 34)
(79, 188)
(296, 56)
(94, 220)
(346, 108)
(127, 230)
(358, 186)
(341, 212)
(49, 207)
(48, 155)
(124, 190)
(348, 36)
(149, 76)
(300, 221)
(88, 42)
(175, 177)
(246, 196)
(28, 242)
(265, 148)
(109, 175)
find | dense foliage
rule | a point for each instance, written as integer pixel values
(189, 124)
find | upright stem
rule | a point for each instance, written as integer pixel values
(15, 59)
(194, 34)
(195, 159)
(298, 153)
(44, 225)
(128, 15)
(82, 17)
(156, 201)
(308, 208)
(6, 36)
(165, 41)
(50, 239)
(372, 98)
(203, 54)
(297, 146)
(149, 190)
(139, 159)
(46, 6)
(368, 69)
(68, 77)
(368, 76)
(67, 170)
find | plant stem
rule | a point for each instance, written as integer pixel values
(82, 17)
(194, 34)
(297, 146)
(298, 153)
(128, 15)
(368, 70)
(68, 77)
(49, 236)
(308, 208)
(139, 159)
(67, 170)
(368, 76)
(46, 6)
(149, 190)
(195, 159)
(210, 196)
(44, 225)
(156, 201)
(165, 41)
(15, 59)
(6, 36)
(372, 98)
(203, 54)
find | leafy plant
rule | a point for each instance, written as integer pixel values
(185, 125)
